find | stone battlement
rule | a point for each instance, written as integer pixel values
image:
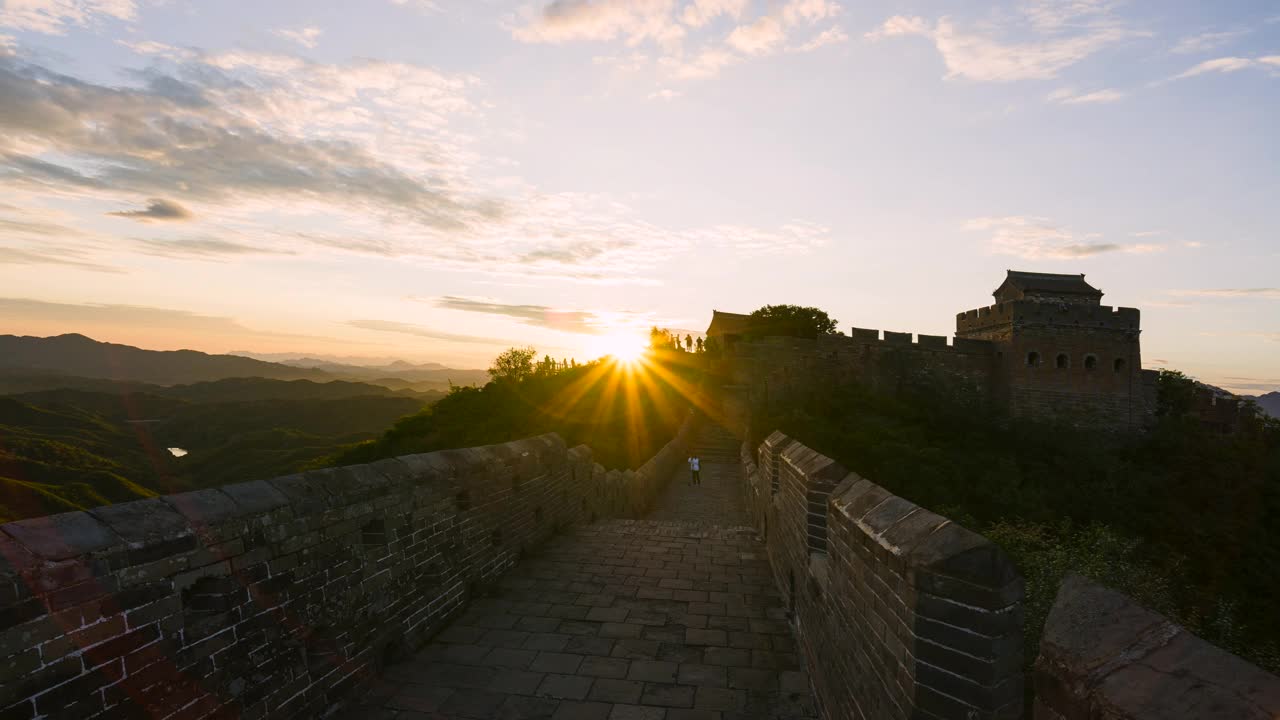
(900, 612)
(1029, 312)
(921, 341)
(281, 598)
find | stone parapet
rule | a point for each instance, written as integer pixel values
(1104, 656)
(900, 612)
(281, 598)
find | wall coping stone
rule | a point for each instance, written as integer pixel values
(1103, 655)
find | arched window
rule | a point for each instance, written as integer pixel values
(1062, 362)
(1033, 359)
(1090, 362)
(1119, 365)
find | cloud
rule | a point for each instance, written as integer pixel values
(1036, 238)
(1266, 293)
(419, 331)
(759, 37)
(664, 94)
(54, 16)
(830, 36)
(1068, 96)
(687, 47)
(157, 209)
(1206, 41)
(69, 257)
(202, 247)
(1062, 35)
(700, 12)
(272, 147)
(263, 134)
(1231, 64)
(307, 37)
(599, 20)
(573, 321)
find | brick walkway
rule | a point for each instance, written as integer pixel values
(674, 617)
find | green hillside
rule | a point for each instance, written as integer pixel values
(72, 449)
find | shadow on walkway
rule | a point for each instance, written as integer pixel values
(674, 617)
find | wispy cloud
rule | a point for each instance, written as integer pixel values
(70, 257)
(307, 37)
(1206, 41)
(1037, 238)
(1062, 34)
(1224, 65)
(402, 328)
(1267, 293)
(1070, 96)
(158, 209)
(830, 36)
(202, 247)
(55, 16)
(574, 321)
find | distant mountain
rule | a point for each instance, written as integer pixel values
(1270, 403)
(85, 357)
(391, 373)
(311, 361)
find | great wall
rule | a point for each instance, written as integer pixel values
(523, 580)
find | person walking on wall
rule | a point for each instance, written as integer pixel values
(695, 470)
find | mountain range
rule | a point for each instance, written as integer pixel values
(83, 357)
(85, 423)
(1270, 403)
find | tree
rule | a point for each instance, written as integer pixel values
(688, 342)
(513, 364)
(662, 339)
(791, 321)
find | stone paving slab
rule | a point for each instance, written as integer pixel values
(670, 618)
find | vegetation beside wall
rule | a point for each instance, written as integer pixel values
(625, 412)
(1180, 518)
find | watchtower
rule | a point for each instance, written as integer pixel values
(1060, 351)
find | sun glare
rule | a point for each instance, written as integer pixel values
(623, 347)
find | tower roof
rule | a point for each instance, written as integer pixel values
(1020, 285)
(725, 323)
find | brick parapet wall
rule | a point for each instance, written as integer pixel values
(905, 614)
(1104, 656)
(280, 598)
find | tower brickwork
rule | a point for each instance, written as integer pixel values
(1060, 352)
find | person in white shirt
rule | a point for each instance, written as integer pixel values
(695, 467)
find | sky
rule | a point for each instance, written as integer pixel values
(440, 179)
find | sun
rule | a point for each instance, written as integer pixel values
(625, 348)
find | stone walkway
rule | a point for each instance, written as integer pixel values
(674, 617)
